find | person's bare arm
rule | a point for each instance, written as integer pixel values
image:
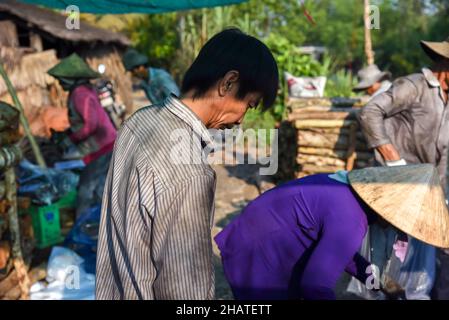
(389, 152)
(372, 117)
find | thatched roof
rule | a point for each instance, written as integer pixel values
(55, 24)
(32, 70)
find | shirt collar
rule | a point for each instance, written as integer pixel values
(340, 176)
(188, 116)
(430, 77)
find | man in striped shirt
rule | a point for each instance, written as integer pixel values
(157, 213)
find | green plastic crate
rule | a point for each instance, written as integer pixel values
(46, 225)
(68, 201)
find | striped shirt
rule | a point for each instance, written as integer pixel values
(157, 214)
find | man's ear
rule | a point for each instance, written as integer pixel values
(228, 82)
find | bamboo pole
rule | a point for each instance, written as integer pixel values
(19, 264)
(368, 44)
(37, 153)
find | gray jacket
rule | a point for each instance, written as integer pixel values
(413, 117)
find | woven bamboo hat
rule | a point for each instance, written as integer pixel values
(73, 67)
(436, 50)
(409, 197)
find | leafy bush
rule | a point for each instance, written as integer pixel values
(340, 84)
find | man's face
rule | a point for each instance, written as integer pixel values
(140, 72)
(373, 89)
(446, 73)
(443, 69)
(233, 110)
(66, 84)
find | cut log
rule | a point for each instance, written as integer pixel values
(307, 138)
(352, 147)
(303, 159)
(8, 283)
(337, 131)
(23, 203)
(5, 252)
(320, 169)
(317, 123)
(13, 294)
(38, 273)
(337, 102)
(322, 116)
(334, 153)
(322, 110)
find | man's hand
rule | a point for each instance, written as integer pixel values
(61, 139)
(389, 152)
(391, 289)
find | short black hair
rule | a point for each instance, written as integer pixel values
(229, 50)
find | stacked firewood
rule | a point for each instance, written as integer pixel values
(325, 136)
(14, 279)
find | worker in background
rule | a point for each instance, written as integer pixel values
(157, 84)
(90, 130)
(372, 81)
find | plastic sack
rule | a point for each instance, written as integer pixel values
(417, 273)
(376, 249)
(44, 186)
(69, 165)
(305, 87)
(67, 279)
(83, 237)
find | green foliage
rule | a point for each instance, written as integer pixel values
(340, 84)
(257, 119)
(173, 40)
(156, 36)
(290, 60)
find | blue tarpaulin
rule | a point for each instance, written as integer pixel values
(132, 6)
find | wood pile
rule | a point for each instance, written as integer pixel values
(15, 244)
(36, 90)
(320, 136)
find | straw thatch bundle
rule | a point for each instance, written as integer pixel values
(115, 71)
(30, 70)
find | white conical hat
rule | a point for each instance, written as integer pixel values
(409, 197)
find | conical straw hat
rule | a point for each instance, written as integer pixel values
(409, 197)
(73, 67)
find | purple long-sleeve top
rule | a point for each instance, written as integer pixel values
(295, 241)
(90, 121)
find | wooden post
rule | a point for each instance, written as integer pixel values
(350, 158)
(19, 264)
(37, 152)
(36, 42)
(368, 44)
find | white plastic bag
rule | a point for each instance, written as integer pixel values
(67, 279)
